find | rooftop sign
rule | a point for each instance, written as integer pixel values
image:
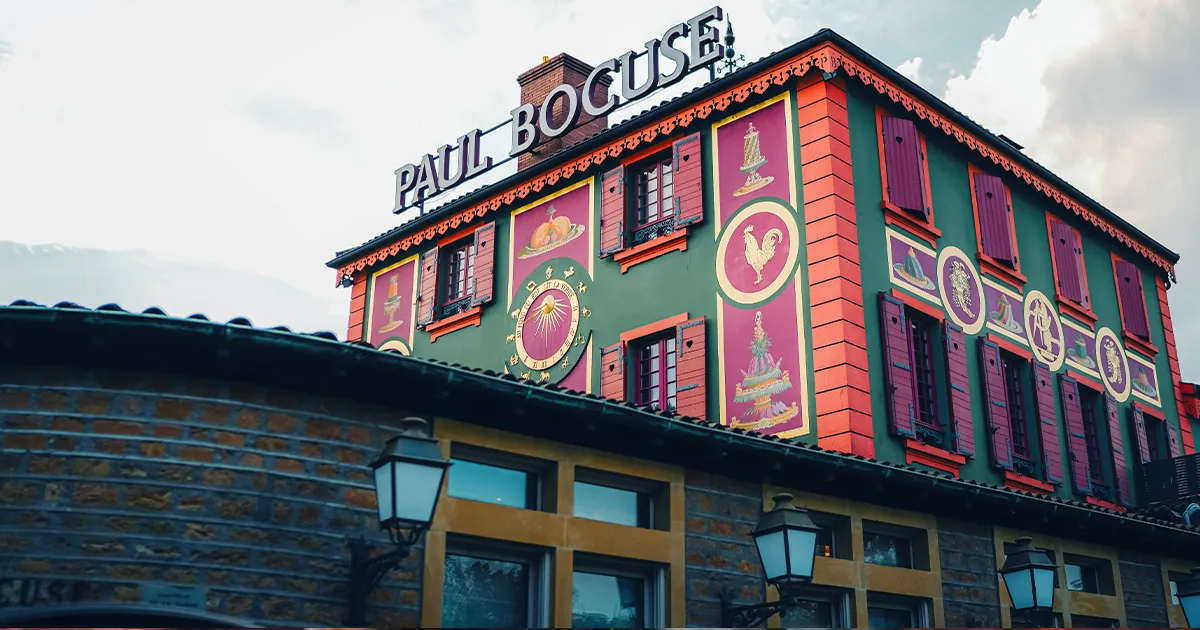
(450, 166)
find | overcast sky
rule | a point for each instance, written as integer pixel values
(243, 143)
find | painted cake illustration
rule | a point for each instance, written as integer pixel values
(1142, 384)
(763, 380)
(554, 232)
(752, 160)
(910, 270)
(1079, 354)
(1003, 316)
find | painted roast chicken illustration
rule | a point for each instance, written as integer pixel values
(759, 256)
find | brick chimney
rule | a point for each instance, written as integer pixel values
(537, 82)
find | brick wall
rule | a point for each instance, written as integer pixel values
(1141, 583)
(970, 593)
(124, 480)
(721, 513)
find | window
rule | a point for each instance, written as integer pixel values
(619, 499)
(896, 611)
(1088, 575)
(1093, 418)
(653, 202)
(1016, 382)
(478, 474)
(1083, 621)
(612, 593)
(818, 607)
(488, 585)
(895, 546)
(654, 372)
(1066, 252)
(458, 281)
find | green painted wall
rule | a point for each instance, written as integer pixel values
(953, 215)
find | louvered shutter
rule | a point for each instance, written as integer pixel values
(687, 180)
(612, 372)
(1139, 433)
(1043, 386)
(1066, 260)
(427, 301)
(1133, 305)
(958, 376)
(1120, 470)
(994, 219)
(905, 166)
(1081, 478)
(485, 263)
(898, 373)
(612, 211)
(690, 384)
(995, 394)
(1172, 441)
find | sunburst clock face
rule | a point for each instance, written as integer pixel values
(551, 323)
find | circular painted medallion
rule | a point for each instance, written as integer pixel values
(961, 289)
(1044, 330)
(1114, 367)
(757, 252)
(546, 324)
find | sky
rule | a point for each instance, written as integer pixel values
(212, 156)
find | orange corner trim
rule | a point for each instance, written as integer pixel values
(919, 304)
(650, 329)
(917, 453)
(458, 321)
(1020, 482)
(665, 244)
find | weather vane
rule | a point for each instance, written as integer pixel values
(732, 60)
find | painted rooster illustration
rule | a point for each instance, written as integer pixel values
(759, 256)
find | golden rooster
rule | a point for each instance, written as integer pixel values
(759, 256)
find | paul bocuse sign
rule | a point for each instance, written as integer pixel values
(447, 168)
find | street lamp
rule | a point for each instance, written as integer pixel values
(1188, 592)
(786, 538)
(408, 481)
(1029, 577)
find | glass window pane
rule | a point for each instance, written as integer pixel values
(889, 618)
(490, 484)
(602, 503)
(607, 601)
(483, 593)
(809, 614)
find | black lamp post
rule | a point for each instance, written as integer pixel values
(1188, 592)
(786, 538)
(1029, 577)
(408, 481)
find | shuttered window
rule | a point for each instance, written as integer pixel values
(1067, 249)
(1132, 298)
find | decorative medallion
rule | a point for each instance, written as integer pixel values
(1044, 330)
(554, 233)
(764, 379)
(1144, 379)
(757, 252)
(752, 160)
(1081, 347)
(551, 325)
(961, 290)
(911, 266)
(1114, 368)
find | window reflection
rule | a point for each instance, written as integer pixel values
(608, 601)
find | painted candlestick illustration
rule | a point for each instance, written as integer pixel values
(763, 380)
(752, 160)
(391, 305)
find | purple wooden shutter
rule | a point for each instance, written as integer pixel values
(898, 369)
(995, 394)
(1066, 261)
(905, 166)
(960, 389)
(1043, 386)
(994, 219)
(1120, 471)
(612, 211)
(1081, 477)
(1129, 285)
(1139, 433)
(687, 180)
(1172, 441)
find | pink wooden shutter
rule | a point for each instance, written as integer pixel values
(995, 394)
(1066, 261)
(994, 219)
(960, 389)
(1081, 477)
(1172, 441)
(690, 383)
(612, 372)
(1133, 299)
(612, 211)
(429, 281)
(898, 371)
(1043, 386)
(687, 180)
(1139, 433)
(1120, 471)
(485, 263)
(905, 166)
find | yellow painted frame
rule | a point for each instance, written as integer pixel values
(1174, 613)
(858, 576)
(558, 530)
(412, 318)
(512, 244)
(1066, 602)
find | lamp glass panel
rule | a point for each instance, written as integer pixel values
(1043, 587)
(1020, 588)
(801, 544)
(384, 492)
(1191, 609)
(770, 550)
(417, 487)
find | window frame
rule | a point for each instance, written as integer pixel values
(654, 576)
(922, 229)
(1011, 276)
(1075, 309)
(539, 560)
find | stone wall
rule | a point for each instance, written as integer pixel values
(1142, 585)
(123, 483)
(721, 556)
(970, 593)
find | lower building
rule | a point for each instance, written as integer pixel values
(179, 472)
